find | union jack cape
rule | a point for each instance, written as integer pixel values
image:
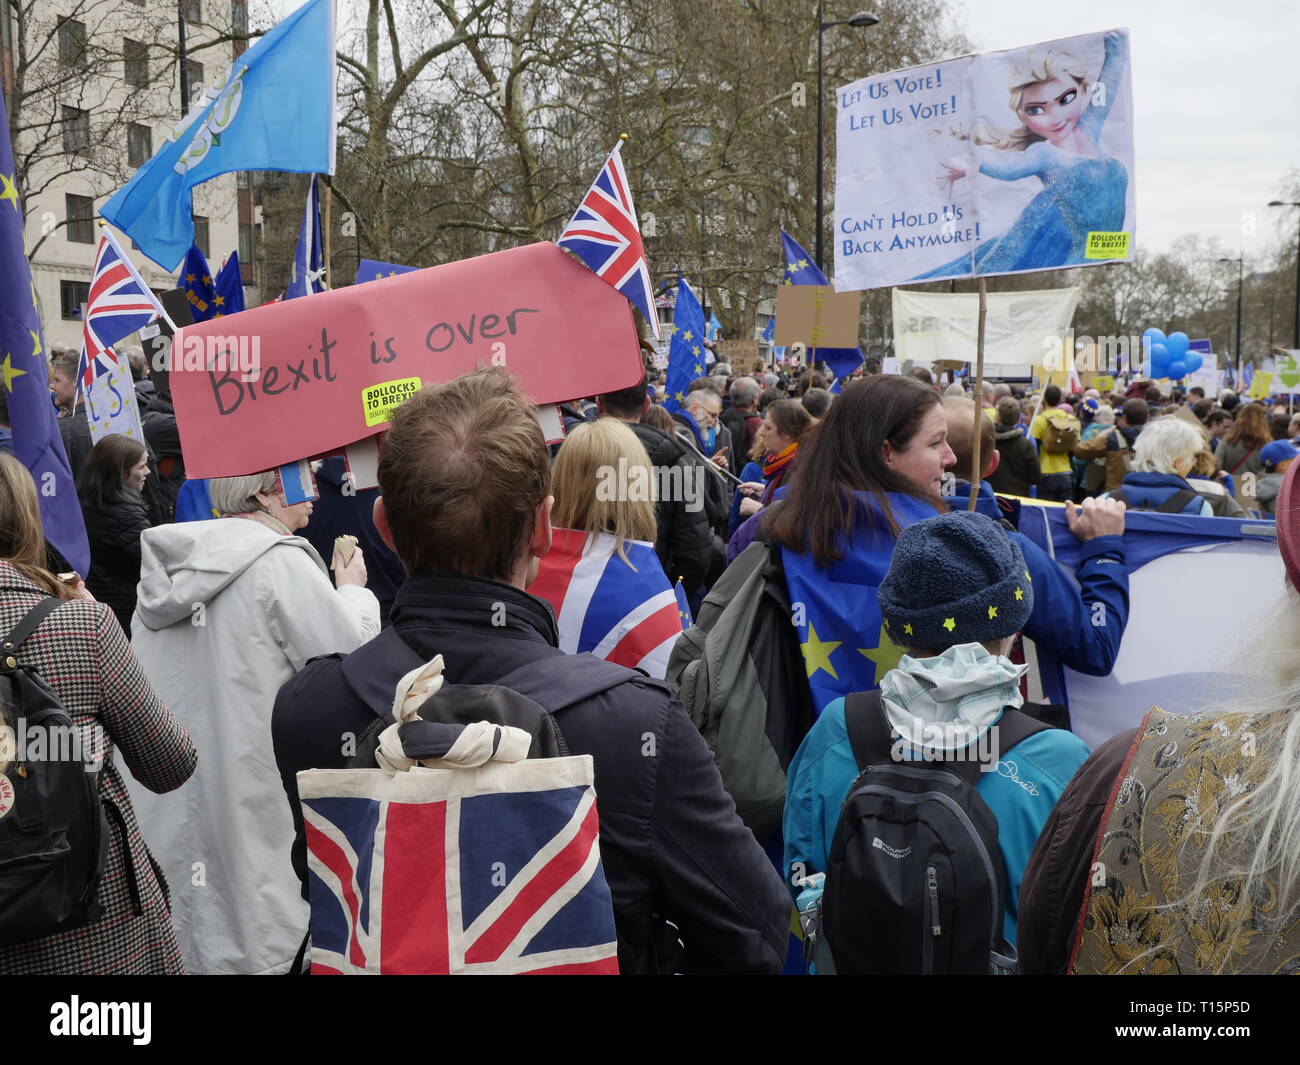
(603, 605)
(494, 870)
(605, 235)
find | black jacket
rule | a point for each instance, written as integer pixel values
(114, 535)
(77, 445)
(1019, 468)
(158, 419)
(683, 541)
(670, 839)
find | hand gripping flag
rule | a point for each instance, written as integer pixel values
(272, 110)
(307, 275)
(24, 377)
(801, 270)
(604, 234)
(627, 614)
(685, 348)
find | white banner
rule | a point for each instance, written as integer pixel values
(991, 164)
(1020, 329)
(111, 405)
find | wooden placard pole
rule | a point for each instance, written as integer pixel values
(328, 230)
(979, 398)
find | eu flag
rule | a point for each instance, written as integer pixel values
(801, 270)
(25, 379)
(686, 348)
(307, 273)
(373, 270)
(229, 288)
(845, 645)
(272, 110)
(196, 280)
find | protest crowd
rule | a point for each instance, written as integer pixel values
(657, 658)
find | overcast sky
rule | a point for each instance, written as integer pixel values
(1216, 103)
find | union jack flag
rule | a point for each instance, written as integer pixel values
(602, 605)
(506, 883)
(120, 303)
(604, 234)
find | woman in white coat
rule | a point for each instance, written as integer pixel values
(227, 611)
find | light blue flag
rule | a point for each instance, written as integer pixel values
(272, 110)
(715, 326)
(307, 275)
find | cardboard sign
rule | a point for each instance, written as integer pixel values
(817, 316)
(1260, 385)
(111, 406)
(738, 352)
(308, 377)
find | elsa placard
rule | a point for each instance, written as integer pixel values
(999, 163)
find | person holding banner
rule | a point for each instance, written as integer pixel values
(229, 610)
(1191, 821)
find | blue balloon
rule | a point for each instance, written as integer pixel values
(1177, 345)
(1159, 359)
(1151, 337)
(1192, 361)
(1177, 370)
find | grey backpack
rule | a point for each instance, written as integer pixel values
(741, 676)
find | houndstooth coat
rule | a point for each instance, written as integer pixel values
(83, 654)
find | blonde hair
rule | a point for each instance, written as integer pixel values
(1040, 65)
(1162, 443)
(238, 495)
(22, 538)
(595, 467)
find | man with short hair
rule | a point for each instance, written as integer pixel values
(683, 542)
(73, 425)
(1219, 423)
(816, 401)
(1116, 443)
(708, 442)
(741, 418)
(1057, 481)
(1017, 470)
(465, 503)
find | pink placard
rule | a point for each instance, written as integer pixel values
(293, 380)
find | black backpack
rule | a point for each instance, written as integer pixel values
(915, 881)
(1175, 504)
(52, 836)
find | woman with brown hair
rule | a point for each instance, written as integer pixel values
(1239, 453)
(776, 445)
(109, 488)
(601, 576)
(82, 653)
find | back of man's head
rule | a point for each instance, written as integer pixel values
(626, 404)
(1153, 395)
(960, 413)
(1001, 390)
(744, 393)
(1051, 395)
(1009, 412)
(816, 401)
(954, 389)
(1136, 411)
(463, 472)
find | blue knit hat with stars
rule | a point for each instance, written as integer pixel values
(957, 578)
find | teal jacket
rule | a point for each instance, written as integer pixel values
(1029, 779)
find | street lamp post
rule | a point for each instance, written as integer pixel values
(1241, 285)
(860, 20)
(1293, 203)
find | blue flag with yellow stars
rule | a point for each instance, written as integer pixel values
(228, 289)
(373, 270)
(196, 280)
(24, 376)
(801, 270)
(686, 348)
(846, 647)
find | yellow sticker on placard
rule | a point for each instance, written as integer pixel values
(379, 401)
(1103, 383)
(1103, 245)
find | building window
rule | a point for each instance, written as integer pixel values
(72, 295)
(81, 219)
(201, 234)
(139, 144)
(192, 11)
(246, 250)
(76, 130)
(72, 43)
(194, 74)
(136, 58)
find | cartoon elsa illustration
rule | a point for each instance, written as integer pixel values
(1062, 115)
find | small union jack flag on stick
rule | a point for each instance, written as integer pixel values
(119, 304)
(605, 235)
